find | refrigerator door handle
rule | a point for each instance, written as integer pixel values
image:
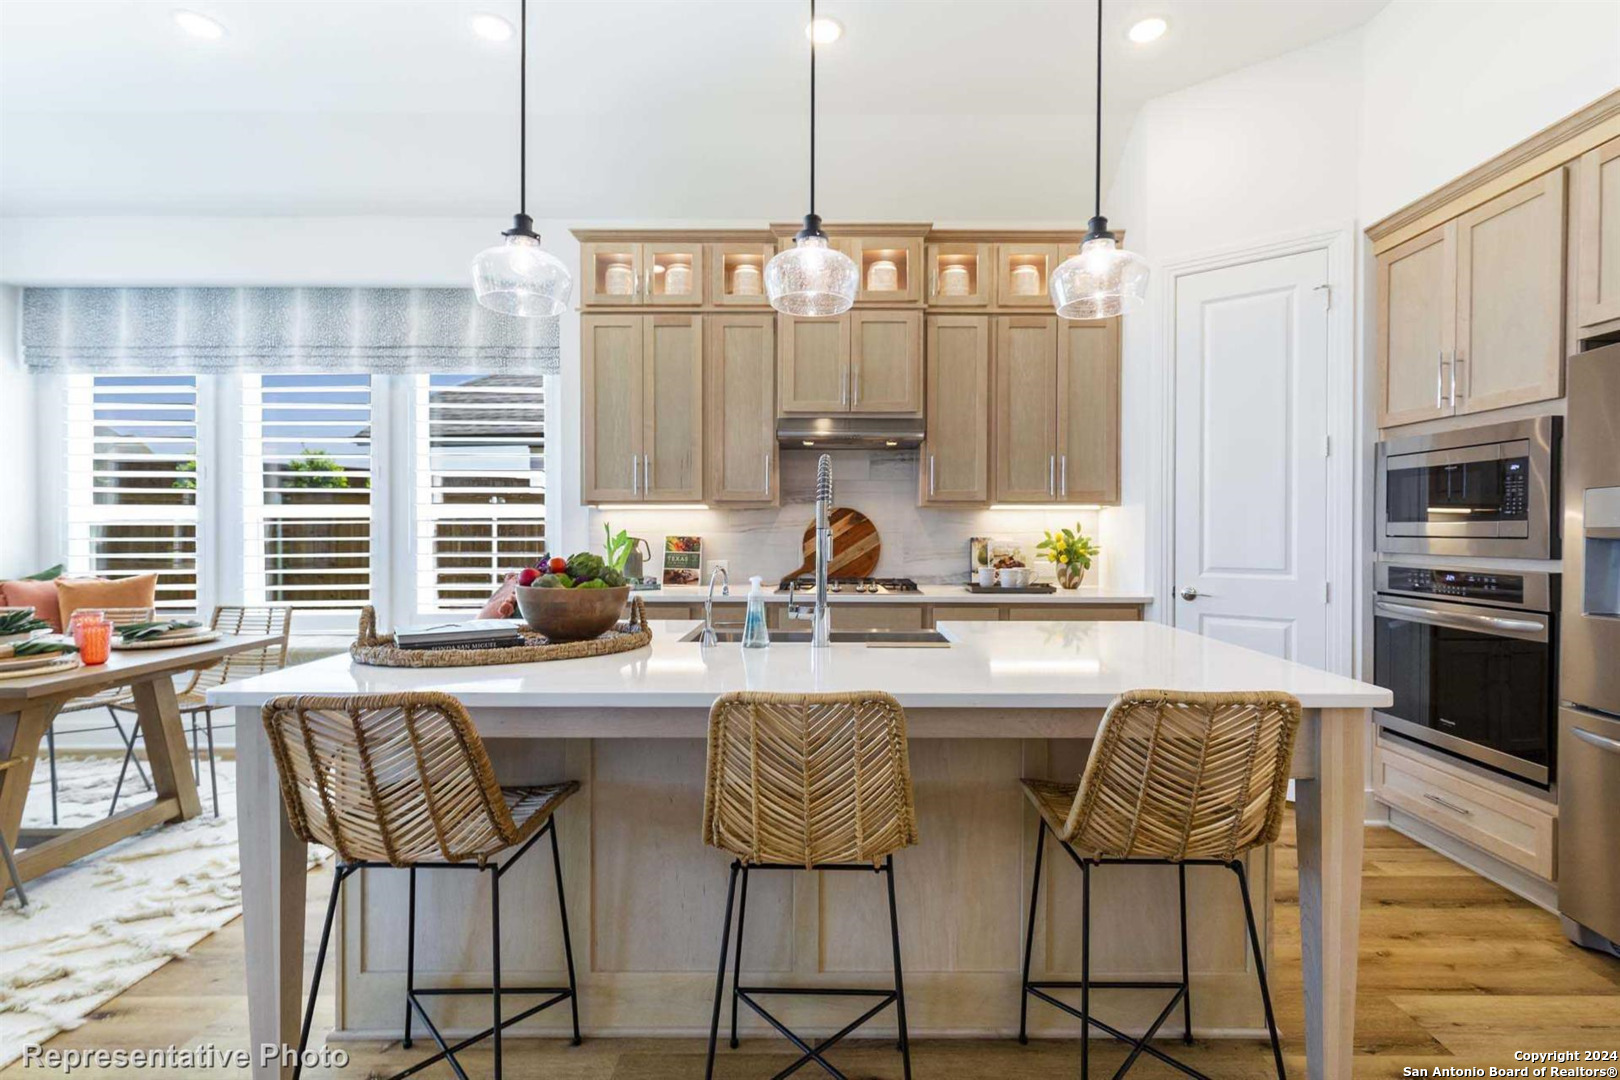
(1611, 745)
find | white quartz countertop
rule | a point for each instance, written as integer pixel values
(926, 594)
(1033, 665)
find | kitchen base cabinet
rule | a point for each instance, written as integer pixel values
(875, 616)
(965, 613)
(1075, 613)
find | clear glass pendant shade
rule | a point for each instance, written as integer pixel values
(1100, 282)
(811, 278)
(520, 278)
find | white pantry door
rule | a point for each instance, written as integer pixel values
(1251, 455)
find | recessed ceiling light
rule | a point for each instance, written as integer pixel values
(198, 25)
(1148, 30)
(824, 31)
(491, 27)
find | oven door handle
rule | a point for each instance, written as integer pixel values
(1497, 624)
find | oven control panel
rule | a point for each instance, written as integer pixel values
(1490, 586)
(1515, 489)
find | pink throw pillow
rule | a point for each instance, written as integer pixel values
(39, 595)
(503, 604)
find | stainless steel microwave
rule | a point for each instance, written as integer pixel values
(1488, 491)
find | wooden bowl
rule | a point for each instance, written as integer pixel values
(571, 614)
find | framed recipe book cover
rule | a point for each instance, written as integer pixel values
(683, 560)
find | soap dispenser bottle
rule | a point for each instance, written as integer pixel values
(755, 636)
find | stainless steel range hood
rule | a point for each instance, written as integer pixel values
(848, 432)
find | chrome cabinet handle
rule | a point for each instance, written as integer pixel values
(1064, 473)
(635, 474)
(1456, 365)
(843, 389)
(1453, 807)
(1051, 474)
(930, 473)
(855, 385)
(1611, 745)
(1440, 371)
(646, 473)
(767, 472)
(1189, 593)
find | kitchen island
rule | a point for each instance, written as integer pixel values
(1003, 700)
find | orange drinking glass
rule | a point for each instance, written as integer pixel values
(94, 638)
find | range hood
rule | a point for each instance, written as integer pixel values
(848, 433)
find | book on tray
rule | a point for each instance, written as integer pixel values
(475, 634)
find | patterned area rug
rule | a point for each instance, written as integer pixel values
(100, 925)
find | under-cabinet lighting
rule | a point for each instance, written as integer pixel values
(1047, 508)
(491, 27)
(199, 25)
(652, 506)
(1148, 30)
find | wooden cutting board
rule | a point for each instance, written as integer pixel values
(856, 546)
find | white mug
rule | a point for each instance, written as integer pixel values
(987, 577)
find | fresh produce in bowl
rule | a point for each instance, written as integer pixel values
(572, 599)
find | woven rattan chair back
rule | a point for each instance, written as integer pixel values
(395, 778)
(260, 621)
(1186, 775)
(806, 779)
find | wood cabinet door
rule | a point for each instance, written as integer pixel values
(613, 391)
(672, 274)
(1416, 332)
(904, 253)
(812, 372)
(886, 362)
(672, 440)
(960, 274)
(610, 274)
(1023, 272)
(737, 274)
(1510, 298)
(1024, 463)
(1088, 411)
(741, 401)
(956, 452)
(1598, 234)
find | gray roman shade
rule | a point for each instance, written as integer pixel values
(382, 331)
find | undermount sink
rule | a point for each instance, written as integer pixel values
(839, 637)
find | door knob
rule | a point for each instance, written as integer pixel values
(1189, 593)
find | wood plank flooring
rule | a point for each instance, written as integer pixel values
(1454, 972)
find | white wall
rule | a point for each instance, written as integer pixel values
(19, 549)
(1447, 86)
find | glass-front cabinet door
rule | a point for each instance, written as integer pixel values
(891, 269)
(1022, 274)
(612, 273)
(737, 274)
(672, 274)
(959, 274)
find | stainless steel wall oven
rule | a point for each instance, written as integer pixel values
(1488, 491)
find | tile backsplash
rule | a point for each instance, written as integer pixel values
(930, 545)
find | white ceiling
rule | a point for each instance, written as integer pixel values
(951, 110)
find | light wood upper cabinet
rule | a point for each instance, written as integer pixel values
(1598, 236)
(1510, 297)
(741, 404)
(1026, 412)
(626, 274)
(886, 362)
(956, 452)
(1416, 334)
(673, 274)
(612, 273)
(813, 365)
(737, 274)
(891, 269)
(672, 447)
(1022, 274)
(642, 386)
(613, 390)
(960, 274)
(1088, 405)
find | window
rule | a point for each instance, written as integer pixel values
(306, 491)
(132, 481)
(480, 483)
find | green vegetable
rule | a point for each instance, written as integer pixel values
(597, 584)
(611, 578)
(618, 547)
(554, 581)
(585, 567)
(21, 622)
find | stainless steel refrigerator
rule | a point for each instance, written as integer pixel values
(1588, 764)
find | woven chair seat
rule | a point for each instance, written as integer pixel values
(115, 697)
(1052, 801)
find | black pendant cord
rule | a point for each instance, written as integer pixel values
(523, 106)
(1097, 212)
(813, 107)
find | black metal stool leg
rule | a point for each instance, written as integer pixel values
(1029, 938)
(320, 962)
(899, 980)
(495, 963)
(410, 957)
(720, 975)
(1085, 969)
(1260, 967)
(736, 970)
(1186, 981)
(568, 944)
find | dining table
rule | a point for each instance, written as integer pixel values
(29, 705)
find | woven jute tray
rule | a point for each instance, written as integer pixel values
(379, 650)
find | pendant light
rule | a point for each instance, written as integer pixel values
(1104, 280)
(811, 278)
(518, 277)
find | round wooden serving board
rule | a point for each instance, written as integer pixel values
(856, 546)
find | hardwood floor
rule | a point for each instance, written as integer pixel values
(1454, 972)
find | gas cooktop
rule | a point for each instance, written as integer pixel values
(866, 585)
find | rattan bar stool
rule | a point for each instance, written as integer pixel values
(403, 780)
(808, 782)
(1185, 779)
